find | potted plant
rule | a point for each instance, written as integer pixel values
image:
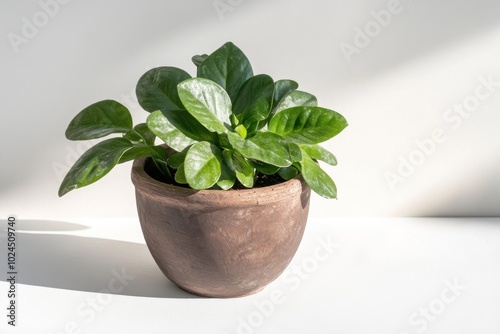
(223, 202)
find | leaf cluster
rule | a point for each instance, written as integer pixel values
(226, 125)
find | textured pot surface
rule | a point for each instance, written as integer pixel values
(221, 243)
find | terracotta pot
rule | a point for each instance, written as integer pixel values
(220, 243)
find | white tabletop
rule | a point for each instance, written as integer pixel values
(388, 276)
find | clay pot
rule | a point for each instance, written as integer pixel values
(220, 243)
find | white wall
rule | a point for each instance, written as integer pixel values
(395, 88)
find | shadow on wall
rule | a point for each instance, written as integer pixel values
(476, 195)
(414, 30)
(87, 264)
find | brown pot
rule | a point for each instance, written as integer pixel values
(220, 243)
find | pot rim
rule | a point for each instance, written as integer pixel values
(273, 193)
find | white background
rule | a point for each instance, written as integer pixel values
(396, 90)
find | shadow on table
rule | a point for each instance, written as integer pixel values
(87, 264)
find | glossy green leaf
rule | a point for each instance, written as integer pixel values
(177, 158)
(234, 120)
(94, 164)
(317, 178)
(227, 176)
(141, 133)
(228, 158)
(223, 141)
(307, 125)
(295, 98)
(157, 89)
(288, 173)
(241, 130)
(133, 136)
(189, 126)
(266, 169)
(281, 88)
(202, 165)
(295, 152)
(163, 129)
(198, 59)
(254, 99)
(145, 132)
(207, 102)
(267, 147)
(143, 151)
(227, 66)
(157, 153)
(98, 120)
(319, 153)
(244, 170)
(180, 176)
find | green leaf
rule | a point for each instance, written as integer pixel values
(319, 153)
(244, 170)
(143, 151)
(202, 165)
(317, 179)
(189, 126)
(157, 89)
(228, 158)
(295, 98)
(94, 164)
(141, 133)
(288, 173)
(207, 102)
(133, 136)
(198, 59)
(98, 120)
(227, 66)
(143, 130)
(163, 129)
(307, 125)
(234, 120)
(157, 153)
(241, 130)
(180, 176)
(281, 88)
(227, 176)
(295, 152)
(223, 141)
(254, 99)
(267, 147)
(266, 169)
(177, 158)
